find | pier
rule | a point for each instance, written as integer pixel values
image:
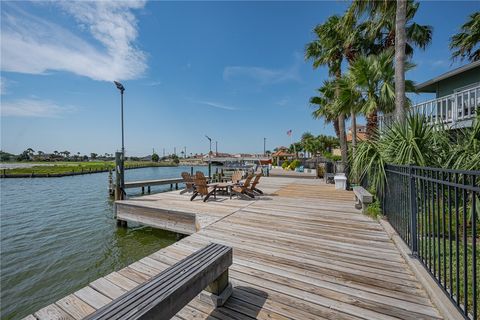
(301, 251)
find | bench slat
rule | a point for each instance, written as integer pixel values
(363, 195)
(167, 293)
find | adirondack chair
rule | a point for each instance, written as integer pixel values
(237, 176)
(200, 175)
(189, 184)
(243, 189)
(253, 188)
(202, 189)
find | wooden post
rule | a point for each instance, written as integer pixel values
(118, 176)
(218, 285)
(176, 186)
(143, 190)
(191, 171)
(218, 292)
(148, 189)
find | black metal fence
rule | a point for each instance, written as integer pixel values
(436, 212)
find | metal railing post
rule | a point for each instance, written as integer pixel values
(413, 212)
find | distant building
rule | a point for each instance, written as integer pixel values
(281, 155)
(361, 133)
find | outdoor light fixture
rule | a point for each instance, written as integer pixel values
(119, 86)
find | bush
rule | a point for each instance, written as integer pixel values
(332, 157)
(285, 164)
(295, 164)
(373, 209)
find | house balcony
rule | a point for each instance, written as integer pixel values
(453, 111)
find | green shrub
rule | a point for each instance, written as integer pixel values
(332, 157)
(295, 164)
(285, 164)
(374, 210)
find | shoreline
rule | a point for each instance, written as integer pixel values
(5, 175)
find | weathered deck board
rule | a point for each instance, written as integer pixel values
(300, 252)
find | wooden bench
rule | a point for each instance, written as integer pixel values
(362, 198)
(168, 292)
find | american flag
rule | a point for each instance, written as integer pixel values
(289, 132)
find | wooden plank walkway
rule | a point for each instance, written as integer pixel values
(300, 252)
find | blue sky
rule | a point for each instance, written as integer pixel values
(232, 70)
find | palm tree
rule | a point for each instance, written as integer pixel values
(373, 77)
(349, 101)
(400, 41)
(465, 43)
(379, 18)
(379, 27)
(307, 142)
(328, 50)
(324, 104)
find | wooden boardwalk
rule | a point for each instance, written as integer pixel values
(300, 252)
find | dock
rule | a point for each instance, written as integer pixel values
(301, 251)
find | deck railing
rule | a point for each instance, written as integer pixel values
(454, 110)
(435, 211)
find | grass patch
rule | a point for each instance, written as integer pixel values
(75, 167)
(446, 264)
(374, 210)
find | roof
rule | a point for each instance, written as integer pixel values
(360, 136)
(282, 153)
(429, 86)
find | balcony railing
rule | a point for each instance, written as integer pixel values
(453, 111)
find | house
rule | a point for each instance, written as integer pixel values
(281, 155)
(457, 97)
(361, 133)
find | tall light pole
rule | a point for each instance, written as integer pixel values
(216, 148)
(209, 156)
(264, 145)
(122, 176)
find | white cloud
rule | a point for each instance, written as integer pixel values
(265, 76)
(33, 108)
(217, 105)
(34, 45)
(153, 83)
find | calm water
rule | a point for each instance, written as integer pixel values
(58, 234)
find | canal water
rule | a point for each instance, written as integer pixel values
(58, 234)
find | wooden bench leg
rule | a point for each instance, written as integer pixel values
(364, 207)
(218, 292)
(358, 204)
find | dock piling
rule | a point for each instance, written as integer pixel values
(118, 176)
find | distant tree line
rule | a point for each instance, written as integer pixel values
(40, 156)
(312, 146)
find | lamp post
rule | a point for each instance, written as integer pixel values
(122, 162)
(264, 145)
(209, 157)
(216, 148)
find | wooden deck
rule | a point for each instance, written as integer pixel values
(300, 252)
